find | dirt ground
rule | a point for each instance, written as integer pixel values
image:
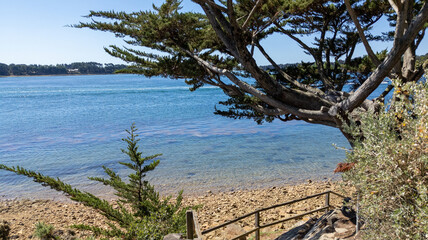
(216, 208)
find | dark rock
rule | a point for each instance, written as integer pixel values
(298, 232)
(329, 229)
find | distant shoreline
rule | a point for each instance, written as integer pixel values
(76, 68)
(53, 75)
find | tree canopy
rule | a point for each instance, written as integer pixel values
(219, 43)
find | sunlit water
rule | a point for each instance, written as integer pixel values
(70, 126)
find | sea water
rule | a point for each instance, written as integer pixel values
(71, 126)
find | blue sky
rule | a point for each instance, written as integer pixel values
(35, 32)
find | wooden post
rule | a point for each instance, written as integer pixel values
(358, 212)
(257, 225)
(327, 201)
(190, 224)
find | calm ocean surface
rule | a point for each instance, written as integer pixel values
(69, 126)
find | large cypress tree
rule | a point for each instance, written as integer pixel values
(205, 48)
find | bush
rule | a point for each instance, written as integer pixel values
(45, 231)
(141, 214)
(391, 166)
(4, 230)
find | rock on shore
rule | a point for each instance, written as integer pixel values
(336, 224)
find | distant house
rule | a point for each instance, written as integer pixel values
(73, 71)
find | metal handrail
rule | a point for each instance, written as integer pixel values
(191, 226)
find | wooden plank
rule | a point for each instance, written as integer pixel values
(337, 194)
(327, 202)
(227, 223)
(257, 224)
(293, 201)
(196, 225)
(189, 223)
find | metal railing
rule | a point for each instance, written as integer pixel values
(194, 232)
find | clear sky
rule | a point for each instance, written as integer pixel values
(35, 32)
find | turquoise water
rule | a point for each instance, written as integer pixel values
(69, 126)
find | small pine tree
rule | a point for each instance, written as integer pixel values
(45, 231)
(149, 217)
(138, 192)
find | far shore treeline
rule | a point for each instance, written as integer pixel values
(59, 69)
(99, 68)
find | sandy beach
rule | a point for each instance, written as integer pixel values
(217, 207)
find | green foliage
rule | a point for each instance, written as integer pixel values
(141, 213)
(391, 166)
(138, 193)
(170, 33)
(45, 231)
(155, 226)
(240, 108)
(4, 230)
(90, 238)
(4, 70)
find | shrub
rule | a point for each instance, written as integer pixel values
(45, 231)
(391, 166)
(4, 230)
(141, 214)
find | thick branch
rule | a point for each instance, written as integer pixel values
(318, 58)
(303, 113)
(394, 56)
(227, 41)
(310, 114)
(326, 123)
(211, 3)
(268, 111)
(394, 5)
(230, 37)
(368, 48)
